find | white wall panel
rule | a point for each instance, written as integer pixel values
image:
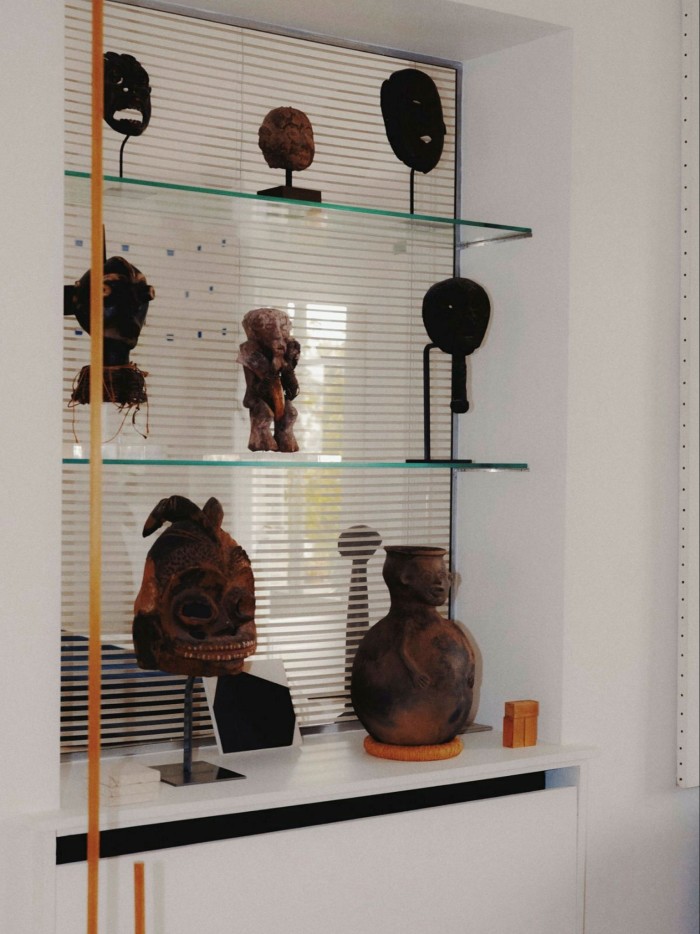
(495, 866)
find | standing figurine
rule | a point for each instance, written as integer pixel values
(269, 358)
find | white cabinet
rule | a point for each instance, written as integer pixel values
(496, 866)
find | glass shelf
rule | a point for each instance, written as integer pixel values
(308, 463)
(241, 208)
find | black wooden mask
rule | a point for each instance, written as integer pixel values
(125, 305)
(127, 98)
(413, 119)
(456, 314)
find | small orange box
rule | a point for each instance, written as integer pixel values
(522, 708)
(520, 723)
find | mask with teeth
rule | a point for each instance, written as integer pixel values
(195, 611)
(127, 99)
(412, 113)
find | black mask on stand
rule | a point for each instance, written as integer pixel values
(127, 99)
(413, 118)
(456, 314)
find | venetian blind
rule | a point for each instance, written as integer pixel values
(353, 287)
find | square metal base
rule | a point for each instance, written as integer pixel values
(292, 192)
(202, 773)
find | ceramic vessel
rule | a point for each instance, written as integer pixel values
(413, 674)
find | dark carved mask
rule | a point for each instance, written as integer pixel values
(127, 98)
(413, 119)
(456, 314)
(195, 611)
(126, 295)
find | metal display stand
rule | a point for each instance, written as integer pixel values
(188, 772)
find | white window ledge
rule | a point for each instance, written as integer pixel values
(325, 768)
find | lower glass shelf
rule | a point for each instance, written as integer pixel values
(290, 462)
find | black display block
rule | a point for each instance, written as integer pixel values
(201, 774)
(291, 192)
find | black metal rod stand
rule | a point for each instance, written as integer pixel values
(121, 156)
(412, 190)
(187, 747)
(426, 400)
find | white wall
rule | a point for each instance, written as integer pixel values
(615, 520)
(608, 427)
(31, 51)
(511, 527)
(620, 665)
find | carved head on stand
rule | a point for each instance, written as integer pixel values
(286, 139)
(126, 296)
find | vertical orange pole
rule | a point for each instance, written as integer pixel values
(139, 900)
(96, 364)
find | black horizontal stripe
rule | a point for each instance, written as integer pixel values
(72, 848)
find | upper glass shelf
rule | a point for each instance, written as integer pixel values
(306, 463)
(219, 204)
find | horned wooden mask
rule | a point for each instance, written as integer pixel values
(127, 94)
(413, 120)
(195, 611)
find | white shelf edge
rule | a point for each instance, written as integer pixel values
(326, 768)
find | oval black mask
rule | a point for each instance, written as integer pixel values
(413, 119)
(456, 314)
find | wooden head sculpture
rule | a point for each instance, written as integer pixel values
(126, 296)
(286, 139)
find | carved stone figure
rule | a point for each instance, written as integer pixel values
(269, 358)
(413, 120)
(413, 674)
(195, 612)
(126, 296)
(127, 94)
(286, 139)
